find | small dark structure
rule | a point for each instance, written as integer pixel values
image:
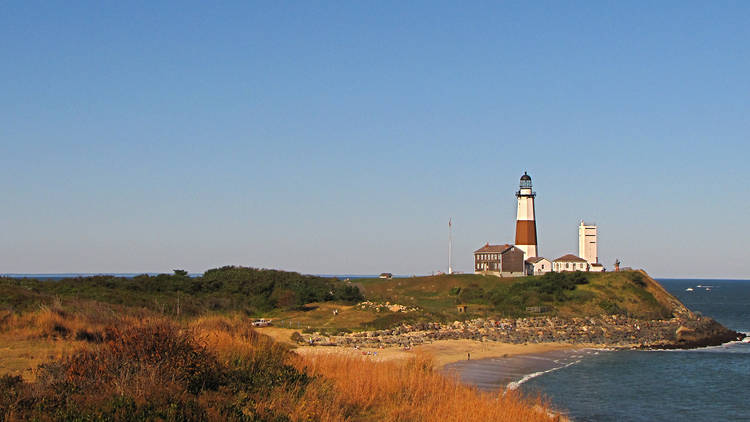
(462, 308)
(386, 275)
(537, 309)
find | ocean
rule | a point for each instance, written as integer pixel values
(708, 384)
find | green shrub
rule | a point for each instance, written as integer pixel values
(637, 279)
(472, 294)
(610, 308)
(512, 300)
(221, 289)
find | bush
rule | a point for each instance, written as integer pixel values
(91, 337)
(552, 287)
(221, 289)
(637, 279)
(297, 337)
(155, 371)
(610, 308)
(472, 294)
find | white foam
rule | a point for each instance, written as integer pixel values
(719, 347)
(515, 384)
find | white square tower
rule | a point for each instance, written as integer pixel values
(587, 243)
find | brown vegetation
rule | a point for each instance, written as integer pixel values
(218, 368)
(392, 391)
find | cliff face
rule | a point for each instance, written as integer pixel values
(665, 298)
(694, 331)
(702, 332)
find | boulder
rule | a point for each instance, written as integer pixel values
(684, 334)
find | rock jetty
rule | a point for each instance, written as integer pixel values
(611, 331)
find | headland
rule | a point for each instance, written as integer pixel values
(321, 326)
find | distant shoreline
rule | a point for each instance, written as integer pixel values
(339, 276)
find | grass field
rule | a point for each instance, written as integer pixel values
(430, 298)
(632, 293)
(435, 299)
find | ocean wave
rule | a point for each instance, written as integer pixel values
(515, 384)
(730, 345)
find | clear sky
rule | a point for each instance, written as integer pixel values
(340, 137)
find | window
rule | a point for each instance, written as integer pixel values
(567, 265)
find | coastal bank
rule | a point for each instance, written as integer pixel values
(647, 316)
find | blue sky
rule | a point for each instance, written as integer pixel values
(340, 137)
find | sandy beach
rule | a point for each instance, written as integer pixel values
(497, 373)
(443, 352)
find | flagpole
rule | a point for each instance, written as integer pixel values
(450, 246)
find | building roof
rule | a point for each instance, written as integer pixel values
(570, 258)
(597, 265)
(525, 176)
(535, 259)
(493, 248)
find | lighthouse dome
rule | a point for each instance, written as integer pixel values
(525, 181)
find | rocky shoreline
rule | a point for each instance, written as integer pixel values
(611, 331)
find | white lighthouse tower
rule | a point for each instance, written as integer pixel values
(525, 221)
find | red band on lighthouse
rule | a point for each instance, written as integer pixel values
(525, 232)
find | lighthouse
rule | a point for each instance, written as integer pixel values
(525, 221)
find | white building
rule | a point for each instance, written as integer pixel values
(587, 243)
(538, 266)
(570, 262)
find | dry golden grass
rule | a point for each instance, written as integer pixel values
(233, 337)
(343, 388)
(413, 391)
(53, 332)
(360, 389)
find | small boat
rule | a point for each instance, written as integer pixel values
(708, 289)
(689, 289)
(746, 339)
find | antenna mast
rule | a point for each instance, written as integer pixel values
(450, 246)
